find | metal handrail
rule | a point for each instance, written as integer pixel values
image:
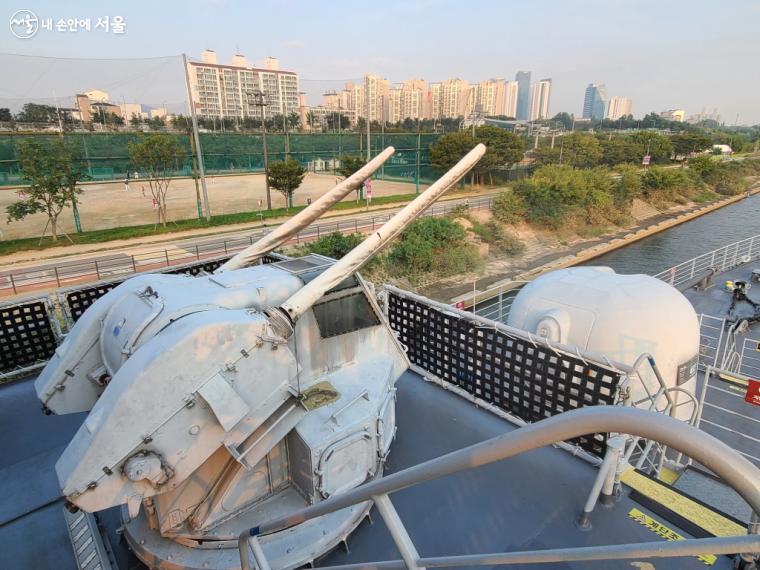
(23, 280)
(720, 259)
(725, 462)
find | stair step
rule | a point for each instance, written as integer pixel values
(692, 515)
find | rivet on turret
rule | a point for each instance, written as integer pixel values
(107, 471)
(92, 485)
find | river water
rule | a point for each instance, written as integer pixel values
(680, 243)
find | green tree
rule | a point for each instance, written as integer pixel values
(504, 149)
(5, 115)
(181, 123)
(545, 155)
(621, 149)
(580, 150)
(286, 176)
(350, 164)
(159, 156)
(135, 120)
(52, 171)
(688, 142)
(34, 113)
(628, 186)
(449, 149)
(658, 146)
(564, 119)
(156, 123)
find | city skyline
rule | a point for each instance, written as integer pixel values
(633, 57)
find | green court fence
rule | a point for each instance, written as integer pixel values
(105, 156)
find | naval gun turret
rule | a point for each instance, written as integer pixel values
(221, 401)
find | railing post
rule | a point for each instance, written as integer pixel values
(57, 278)
(398, 532)
(13, 284)
(166, 255)
(97, 270)
(244, 542)
(197, 253)
(605, 479)
(134, 265)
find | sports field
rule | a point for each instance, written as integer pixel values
(109, 205)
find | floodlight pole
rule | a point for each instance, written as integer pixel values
(258, 101)
(197, 139)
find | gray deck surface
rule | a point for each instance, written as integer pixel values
(715, 301)
(527, 502)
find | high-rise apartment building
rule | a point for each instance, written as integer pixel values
(539, 99)
(523, 95)
(456, 98)
(496, 97)
(375, 97)
(413, 93)
(618, 107)
(433, 102)
(507, 105)
(226, 90)
(394, 107)
(595, 101)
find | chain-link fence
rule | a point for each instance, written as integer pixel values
(105, 156)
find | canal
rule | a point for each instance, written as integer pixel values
(680, 243)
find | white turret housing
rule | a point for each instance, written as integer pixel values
(619, 316)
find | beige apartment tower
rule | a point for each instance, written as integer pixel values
(618, 107)
(226, 90)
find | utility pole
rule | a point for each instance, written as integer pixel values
(417, 177)
(369, 156)
(258, 101)
(382, 134)
(197, 139)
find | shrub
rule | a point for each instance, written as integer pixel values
(498, 238)
(556, 193)
(334, 245)
(432, 245)
(509, 207)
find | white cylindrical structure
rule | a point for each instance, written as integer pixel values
(619, 316)
(302, 300)
(281, 234)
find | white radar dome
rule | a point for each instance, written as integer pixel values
(619, 316)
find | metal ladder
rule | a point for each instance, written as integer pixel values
(736, 471)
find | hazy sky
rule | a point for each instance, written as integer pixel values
(664, 54)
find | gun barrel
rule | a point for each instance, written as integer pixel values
(302, 300)
(281, 234)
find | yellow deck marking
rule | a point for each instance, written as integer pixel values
(661, 530)
(704, 517)
(669, 476)
(733, 379)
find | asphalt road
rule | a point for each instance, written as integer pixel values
(76, 270)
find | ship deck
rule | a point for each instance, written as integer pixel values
(527, 502)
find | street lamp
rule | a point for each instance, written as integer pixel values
(258, 101)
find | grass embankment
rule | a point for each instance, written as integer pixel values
(150, 230)
(556, 201)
